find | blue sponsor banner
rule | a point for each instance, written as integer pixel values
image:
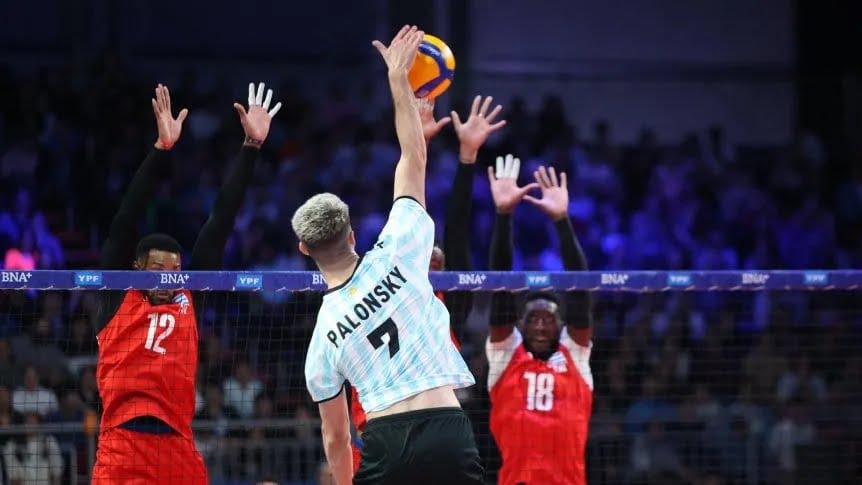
(679, 279)
(816, 278)
(88, 278)
(250, 281)
(637, 281)
(538, 280)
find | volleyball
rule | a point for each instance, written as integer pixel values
(433, 69)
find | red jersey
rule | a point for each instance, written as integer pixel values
(148, 358)
(540, 411)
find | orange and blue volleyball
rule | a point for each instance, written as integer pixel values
(433, 69)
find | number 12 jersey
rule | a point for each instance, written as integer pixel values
(384, 330)
(148, 357)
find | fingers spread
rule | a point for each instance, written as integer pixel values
(275, 109)
(491, 177)
(496, 126)
(268, 99)
(486, 105)
(553, 173)
(474, 110)
(258, 100)
(443, 122)
(183, 113)
(456, 120)
(250, 94)
(241, 110)
(500, 168)
(564, 182)
(493, 114)
(168, 99)
(516, 167)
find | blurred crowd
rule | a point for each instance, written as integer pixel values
(688, 389)
(703, 202)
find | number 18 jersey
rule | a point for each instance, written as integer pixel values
(384, 330)
(148, 356)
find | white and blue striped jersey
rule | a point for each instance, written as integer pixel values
(384, 330)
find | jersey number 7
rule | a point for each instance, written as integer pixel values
(386, 328)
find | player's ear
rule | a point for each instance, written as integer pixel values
(351, 239)
(303, 248)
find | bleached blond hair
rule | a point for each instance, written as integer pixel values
(321, 221)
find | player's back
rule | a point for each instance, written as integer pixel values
(147, 362)
(388, 334)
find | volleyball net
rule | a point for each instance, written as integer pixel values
(740, 376)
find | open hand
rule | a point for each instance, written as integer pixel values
(504, 187)
(430, 126)
(401, 52)
(256, 120)
(479, 125)
(555, 193)
(169, 128)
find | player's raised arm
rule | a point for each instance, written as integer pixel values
(208, 252)
(118, 250)
(399, 57)
(472, 134)
(506, 195)
(555, 204)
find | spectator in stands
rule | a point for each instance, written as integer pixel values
(87, 388)
(7, 414)
(79, 339)
(801, 382)
(791, 431)
(241, 389)
(33, 398)
(35, 459)
(10, 371)
(71, 411)
(46, 244)
(39, 350)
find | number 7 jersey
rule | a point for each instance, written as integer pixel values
(384, 330)
(148, 358)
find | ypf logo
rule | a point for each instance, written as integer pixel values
(754, 278)
(816, 279)
(15, 277)
(471, 279)
(173, 278)
(88, 278)
(616, 279)
(679, 279)
(538, 280)
(249, 281)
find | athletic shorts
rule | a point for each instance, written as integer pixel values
(134, 458)
(431, 446)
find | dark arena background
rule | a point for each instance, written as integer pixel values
(714, 164)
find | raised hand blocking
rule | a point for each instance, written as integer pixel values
(504, 185)
(473, 133)
(169, 127)
(256, 121)
(555, 193)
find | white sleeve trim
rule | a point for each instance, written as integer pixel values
(500, 354)
(581, 356)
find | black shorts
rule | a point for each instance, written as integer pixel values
(431, 446)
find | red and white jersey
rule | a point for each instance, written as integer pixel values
(148, 358)
(540, 411)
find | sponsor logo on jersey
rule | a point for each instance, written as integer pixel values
(617, 279)
(253, 281)
(88, 278)
(754, 278)
(471, 279)
(538, 280)
(15, 277)
(679, 279)
(183, 301)
(173, 278)
(816, 278)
